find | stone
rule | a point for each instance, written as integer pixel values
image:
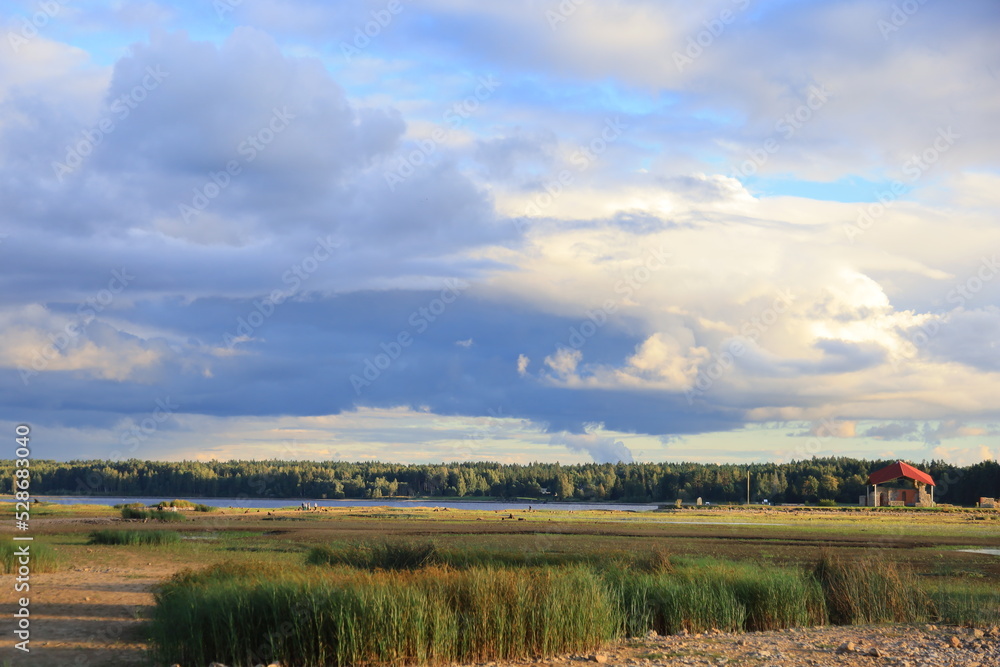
(977, 633)
(955, 642)
(599, 658)
(846, 647)
(874, 652)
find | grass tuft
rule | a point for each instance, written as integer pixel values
(870, 590)
(150, 515)
(42, 557)
(134, 537)
(341, 616)
(384, 555)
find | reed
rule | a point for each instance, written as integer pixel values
(341, 616)
(870, 590)
(42, 558)
(134, 537)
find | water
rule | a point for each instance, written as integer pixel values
(991, 552)
(272, 503)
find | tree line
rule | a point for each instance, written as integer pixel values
(829, 479)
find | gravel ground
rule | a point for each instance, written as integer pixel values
(853, 646)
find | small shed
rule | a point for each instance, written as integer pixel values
(921, 495)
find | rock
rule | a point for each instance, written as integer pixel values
(599, 658)
(216, 664)
(652, 634)
(955, 642)
(846, 647)
(932, 628)
(977, 633)
(874, 652)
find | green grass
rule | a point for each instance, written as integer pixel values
(341, 616)
(384, 555)
(966, 604)
(146, 515)
(134, 537)
(705, 594)
(871, 590)
(42, 557)
(184, 504)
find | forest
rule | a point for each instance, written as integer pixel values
(832, 479)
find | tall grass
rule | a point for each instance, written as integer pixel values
(870, 590)
(147, 515)
(134, 537)
(185, 504)
(966, 604)
(406, 555)
(342, 616)
(42, 557)
(396, 603)
(712, 594)
(377, 555)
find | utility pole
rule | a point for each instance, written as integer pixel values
(748, 487)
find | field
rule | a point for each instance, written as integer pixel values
(97, 602)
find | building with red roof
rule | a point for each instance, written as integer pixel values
(921, 495)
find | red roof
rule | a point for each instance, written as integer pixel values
(897, 470)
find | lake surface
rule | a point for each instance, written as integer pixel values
(272, 503)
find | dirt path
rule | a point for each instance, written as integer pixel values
(83, 617)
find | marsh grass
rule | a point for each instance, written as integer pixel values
(700, 595)
(384, 555)
(341, 616)
(134, 537)
(129, 512)
(872, 589)
(399, 602)
(962, 603)
(42, 557)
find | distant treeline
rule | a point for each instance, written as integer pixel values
(837, 479)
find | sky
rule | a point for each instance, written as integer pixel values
(531, 230)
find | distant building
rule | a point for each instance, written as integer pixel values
(921, 495)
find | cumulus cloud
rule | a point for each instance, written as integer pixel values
(597, 203)
(602, 449)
